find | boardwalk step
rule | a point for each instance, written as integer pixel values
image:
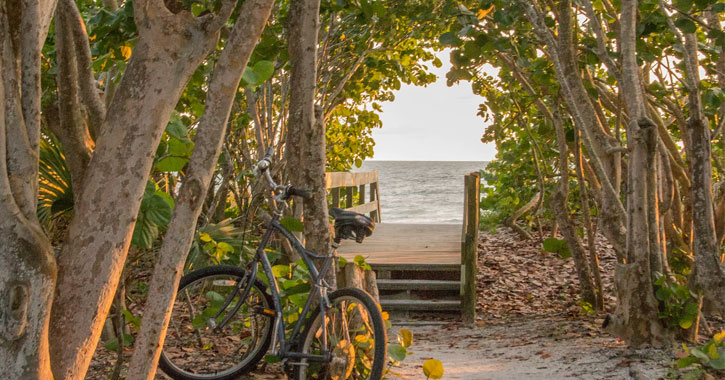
(417, 267)
(419, 305)
(418, 285)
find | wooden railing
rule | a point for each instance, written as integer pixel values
(343, 184)
(469, 246)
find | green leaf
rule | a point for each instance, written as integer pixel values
(449, 39)
(397, 352)
(157, 210)
(250, 76)
(177, 129)
(264, 71)
(132, 319)
(199, 321)
(433, 369)
(214, 298)
(196, 9)
(686, 361)
(225, 247)
(699, 354)
(291, 224)
(692, 308)
(718, 363)
(686, 25)
(281, 271)
(171, 164)
(111, 344)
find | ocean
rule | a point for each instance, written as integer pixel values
(421, 191)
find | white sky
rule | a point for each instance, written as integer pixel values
(434, 123)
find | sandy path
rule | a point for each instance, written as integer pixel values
(534, 349)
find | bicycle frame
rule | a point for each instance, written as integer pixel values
(318, 290)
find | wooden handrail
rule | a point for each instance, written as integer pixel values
(345, 181)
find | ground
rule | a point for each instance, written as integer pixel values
(529, 326)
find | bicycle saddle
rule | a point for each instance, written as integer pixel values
(351, 225)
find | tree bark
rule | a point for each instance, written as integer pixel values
(636, 317)
(208, 142)
(28, 274)
(169, 48)
(305, 141)
(72, 130)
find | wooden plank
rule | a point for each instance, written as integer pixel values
(407, 284)
(409, 305)
(364, 209)
(469, 246)
(344, 179)
(381, 267)
(408, 243)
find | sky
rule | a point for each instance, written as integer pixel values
(433, 123)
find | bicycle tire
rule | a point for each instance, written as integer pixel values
(250, 359)
(312, 330)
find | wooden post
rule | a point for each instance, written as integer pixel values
(373, 193)
(469, 246)
(348, 196)
(335, 196)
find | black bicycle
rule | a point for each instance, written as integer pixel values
(225, 318)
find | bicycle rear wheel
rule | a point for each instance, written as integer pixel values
(194, 348)
(356, 338)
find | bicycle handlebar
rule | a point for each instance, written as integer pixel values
(263, 167)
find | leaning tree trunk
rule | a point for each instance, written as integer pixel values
(169, 49)
(207, 146)
(305, 141)
(28, 274)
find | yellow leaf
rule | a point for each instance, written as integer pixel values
(433, 369)
(719, 336)
(205, 237)
(386, 316)
(406, 338)
(482, 13)
(342, 36)
(126, 51)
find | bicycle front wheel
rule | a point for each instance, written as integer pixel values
(356, 339)
(214, 334)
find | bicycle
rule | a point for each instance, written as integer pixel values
(225, 318)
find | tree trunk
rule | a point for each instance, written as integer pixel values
(208, 142)
(169, 49)
(28, 274)
(305, 142)
(636, 317)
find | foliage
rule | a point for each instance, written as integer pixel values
(433, 369)
(218, 243)
(55, 193)
(680, 305)
(153, 216)
(558, 246)
(711, 355)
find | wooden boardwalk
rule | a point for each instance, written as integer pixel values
(393, 243)
(419, 267)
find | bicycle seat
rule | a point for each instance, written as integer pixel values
(351, 225)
